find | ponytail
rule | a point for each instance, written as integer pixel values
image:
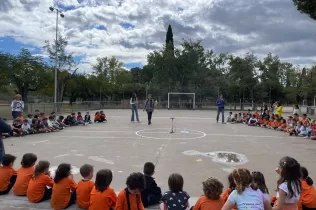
(40, 168)
(305, 176)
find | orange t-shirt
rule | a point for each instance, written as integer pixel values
(205, 203)
(257, 114)
(97, 117)
(83, 193)
(6, 173)
(24, 175)
(308, 196)
(36, 188)
(102, 200)
(283, 125)
(61, 193)
(134, 202)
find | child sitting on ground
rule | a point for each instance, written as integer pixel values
(308, 195)
(24, 174)
(246, 193)
(175, 198)
(252, 121)
(130, 197)
(85, 186)
(38, 190)
(26, 128)
(102, 195)
(67, 121)
(17, 128)
(258, 179)
(97, 117)
(229, 117)
(151, 195)
(102, 117)
(87, 118)
(239, 118)
(63, 183)
(289, 184)
(230, 188)
(211, 199)
(29, 119)
(80, 119)
(282, 126)
(7, 174)
(307, 131)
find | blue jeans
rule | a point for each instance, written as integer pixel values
(2, 151)
(134, 109)
(218, 112)
(15, 114)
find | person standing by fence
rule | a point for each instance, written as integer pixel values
(17, 106)
(4, 128)
(134, 106)
(149, 107)
(220, 102)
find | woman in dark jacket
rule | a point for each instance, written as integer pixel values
(4, 128)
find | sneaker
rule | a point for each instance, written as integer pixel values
(223, 123)
(306, 137)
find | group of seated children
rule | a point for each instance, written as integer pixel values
(293, 125)
(40, 123)
(245, 188)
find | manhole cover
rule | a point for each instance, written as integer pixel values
(224, 157)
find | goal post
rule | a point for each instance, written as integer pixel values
(172, 93)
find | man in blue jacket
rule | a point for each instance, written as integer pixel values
(220, 108)
(4, 128)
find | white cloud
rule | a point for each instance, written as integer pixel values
(223, 25)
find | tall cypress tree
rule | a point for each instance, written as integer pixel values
(169, 38)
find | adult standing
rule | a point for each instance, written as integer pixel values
(220, 102)
(279, 110)
(134, 106)
(264, 110)
(17, 106)
(274, 106)
(4, 128)
(149, 107)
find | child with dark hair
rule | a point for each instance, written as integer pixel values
(246, 193)
(63, 183)
(230, 188)
(85, 186)
(211, 199)
(308, 195)
(102, 195)
(38, 190)
(289, 184)
(80, 119)
(252, 121)
(239, 118)
(24, 174)
(87, 118)
(130, 197)
(17, 128)
(29, 119)
(102, 117)
(151, 195)
(97, 117)
(258, 179)
(67, 121)
(229, 118)
(74, 120)
(7, 174)
(175, 198)
(26, 127)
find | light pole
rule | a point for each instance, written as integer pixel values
(58, 12)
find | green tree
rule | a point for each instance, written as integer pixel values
(66, 66)
(307, 7)
(25, 71)
(169, 39)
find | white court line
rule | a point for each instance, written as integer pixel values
(99, 137)
(169, 133)
(244, 135)
(192, 118)
(36, 142)
(96, 131)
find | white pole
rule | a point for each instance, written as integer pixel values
(314, 101)
(56, 63)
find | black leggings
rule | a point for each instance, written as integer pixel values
(72, 199)
(149, 116)
(305, 208)
(12, 182)
(47, 194)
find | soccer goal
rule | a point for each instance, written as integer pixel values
(182, 100)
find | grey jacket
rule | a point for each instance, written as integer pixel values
(149, 105)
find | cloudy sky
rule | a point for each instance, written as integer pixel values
(130, 29)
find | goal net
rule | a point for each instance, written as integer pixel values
(181, 101)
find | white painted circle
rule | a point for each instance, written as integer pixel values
(181, 133)
(52, 170)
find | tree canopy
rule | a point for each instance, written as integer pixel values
(307, 7)
(187, 68)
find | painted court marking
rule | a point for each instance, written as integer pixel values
(166, 131)
(102, 160)
(52, 170)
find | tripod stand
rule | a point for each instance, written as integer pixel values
(173, 129)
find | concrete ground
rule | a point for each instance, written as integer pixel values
(192, 150)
